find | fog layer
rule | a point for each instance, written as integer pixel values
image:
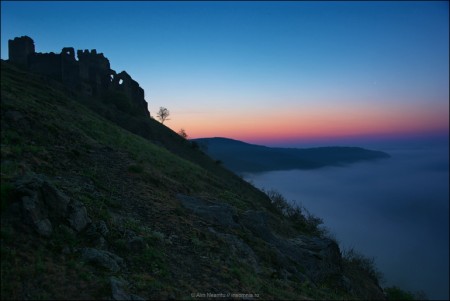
(395, 210)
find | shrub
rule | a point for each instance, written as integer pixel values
(359, 261)
(396, 293)
(183, 134)
(299, 215)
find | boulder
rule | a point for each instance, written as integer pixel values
(102, 258)
(102, 228)
(44, 227)
(135, 243)
(319, 257)
(118, 292)
(95, 232)
(215, 213)
(77, 216)
(56, 201)
(36, 215)
(43, 206)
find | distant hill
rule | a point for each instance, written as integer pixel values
(239, 156)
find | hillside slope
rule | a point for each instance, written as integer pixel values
(90, 210)
(244, 157)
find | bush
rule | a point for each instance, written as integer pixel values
(183, 134)
(359, 261)
(299, 215)
(396, 293)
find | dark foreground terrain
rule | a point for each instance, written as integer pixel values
(97, 204)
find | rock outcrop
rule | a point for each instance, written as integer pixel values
(219, 214)
(118, 290)
(318, 257)
(42, 206)
(105, 259)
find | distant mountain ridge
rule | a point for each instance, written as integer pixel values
(240, 156)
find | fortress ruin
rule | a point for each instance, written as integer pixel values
(90, 75)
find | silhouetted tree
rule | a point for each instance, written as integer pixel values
(162, 114)
(183, 133)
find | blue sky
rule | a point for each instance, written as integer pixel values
(264, 71)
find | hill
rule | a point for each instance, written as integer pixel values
(244, 157)
(98, 203)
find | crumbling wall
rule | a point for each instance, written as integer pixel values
(124, 83)
(46, 63)
(95, 70)
(20, 49)
(70, 69)
(90, 75)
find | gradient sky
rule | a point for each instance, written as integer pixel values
(265, 72)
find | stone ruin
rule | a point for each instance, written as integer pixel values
(90, 75)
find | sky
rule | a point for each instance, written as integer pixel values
(273, 73)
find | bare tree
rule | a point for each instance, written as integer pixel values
(183, 133)
(162, 114)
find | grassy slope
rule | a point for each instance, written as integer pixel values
(130, 183)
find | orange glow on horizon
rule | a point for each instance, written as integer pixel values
(311, 124)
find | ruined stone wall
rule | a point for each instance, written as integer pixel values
(20, 49)
(124, 83)
(70, 69)
(46, 63)
(90, 75)
(95, 70)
